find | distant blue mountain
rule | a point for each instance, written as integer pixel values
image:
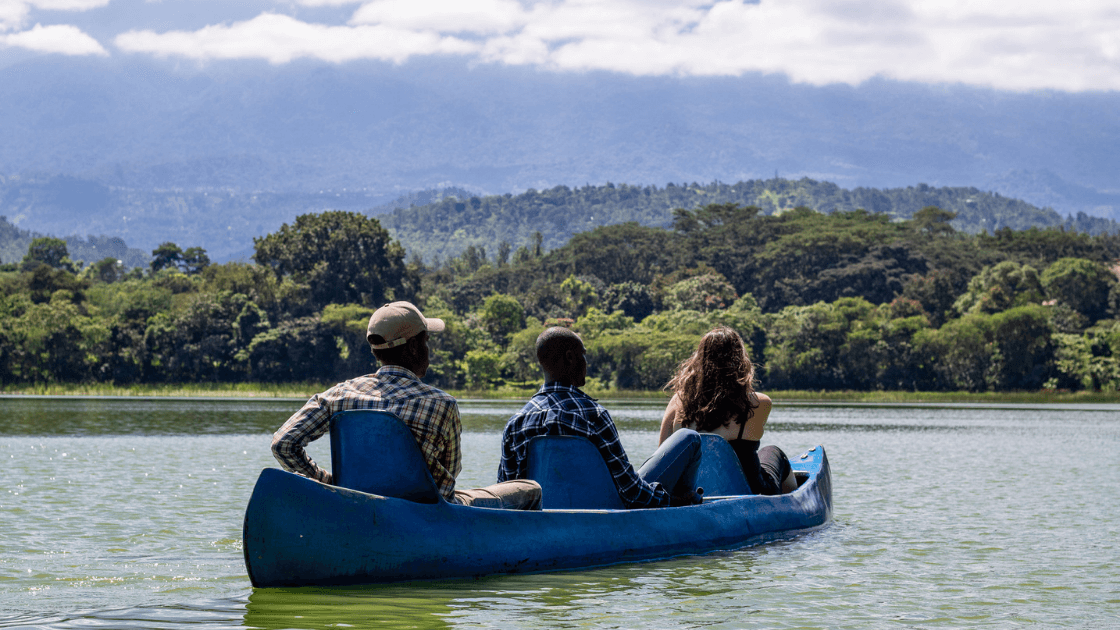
(370, 132)
(223, 222)
(1045, 189)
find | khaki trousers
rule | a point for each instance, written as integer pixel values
(518, 494)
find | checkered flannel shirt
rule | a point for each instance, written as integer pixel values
(564, 410)
(431, 414)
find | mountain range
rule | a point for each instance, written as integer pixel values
(151, 150)
(448, 226)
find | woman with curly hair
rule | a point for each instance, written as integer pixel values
(714, 393)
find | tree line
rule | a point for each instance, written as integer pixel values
(446, 226)
(847, 300)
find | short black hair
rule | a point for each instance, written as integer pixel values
(554, 342)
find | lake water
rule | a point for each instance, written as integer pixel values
(125, 513)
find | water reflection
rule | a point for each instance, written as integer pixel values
(71, 416)
(127, 513)
(74, 416)
(663, 594)
(202, 613)
(314, 608)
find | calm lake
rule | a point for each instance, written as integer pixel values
(126, 513)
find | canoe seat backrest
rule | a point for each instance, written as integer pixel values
(720, 474)
(374, 452)
(572, 474)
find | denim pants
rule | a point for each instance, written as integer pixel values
(675, 463)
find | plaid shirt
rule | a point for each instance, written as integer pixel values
(431, 414)
(564, 410)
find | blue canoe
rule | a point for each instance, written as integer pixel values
(385, 521)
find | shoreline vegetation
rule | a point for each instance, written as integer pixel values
(302, 391)
(843, 303)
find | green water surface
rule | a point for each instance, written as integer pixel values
(127, 513)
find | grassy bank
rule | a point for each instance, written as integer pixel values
(1038, 397)
(524, 391)
(171, 390)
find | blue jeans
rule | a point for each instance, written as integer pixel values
(675, 463)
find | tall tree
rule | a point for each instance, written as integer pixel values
(934, 221)
(1000, 287)
(618, 253)
(501, 315)
(195, 260)
(1080, 284)
(107, 269)
(167, 256)
(343, 257)
(48, 251)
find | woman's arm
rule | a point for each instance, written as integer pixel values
(757, 424)
(669, 421)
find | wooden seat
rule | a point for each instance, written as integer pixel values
(572, 473)
(720, 474)
(375, 452)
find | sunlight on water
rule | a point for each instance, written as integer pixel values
(127, 513)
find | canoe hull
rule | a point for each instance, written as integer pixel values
(301, 532)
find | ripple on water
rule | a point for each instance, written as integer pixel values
(961, 517)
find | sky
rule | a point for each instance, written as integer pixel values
(1019, 45)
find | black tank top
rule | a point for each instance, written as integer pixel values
(747, 451)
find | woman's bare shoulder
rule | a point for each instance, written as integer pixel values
(762, 411)
(671, 421)
(676, 407)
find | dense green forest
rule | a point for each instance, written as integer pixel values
(845, 300)
(447, 226)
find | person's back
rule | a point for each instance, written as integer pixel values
(431, 415)
(714, 394)
(398, 335)
(561, 408)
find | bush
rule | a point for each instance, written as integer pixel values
(1080, 284)
(482, 368)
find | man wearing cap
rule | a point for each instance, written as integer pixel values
(398, 336)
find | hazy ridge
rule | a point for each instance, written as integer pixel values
(448, 226)
(444, 222)
(172, 143)
(151, 151)
(14, 243)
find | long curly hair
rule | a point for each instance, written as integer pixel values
(715, 384)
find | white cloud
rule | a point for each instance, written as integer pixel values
(451, 16)
(327, 3)
(1025, 44)
(14, 12)
(67, 5)
(280, 39)
(57, 38)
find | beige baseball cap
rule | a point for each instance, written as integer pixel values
(396, 323)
